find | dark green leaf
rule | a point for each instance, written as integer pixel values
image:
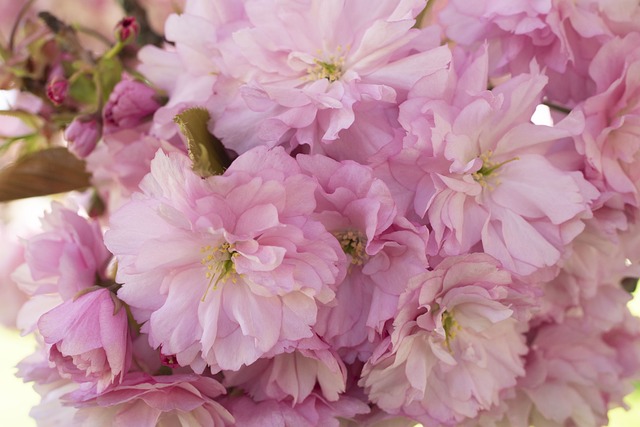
(206, 151)
(50, 171)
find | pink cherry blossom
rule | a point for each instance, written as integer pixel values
(121, 160)
(311, 367)
(333, 91)
(590, 278)
(385, 251)
(313, 411)
(188, 70)
(66, 258)
(574, 374)
(474, 169)
(146, 401)
(89, 339)
(256, 265)
(332, 85)
(563, 35)
(396, 241)
(610, 141)
(457, 344)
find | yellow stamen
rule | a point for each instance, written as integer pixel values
(489, 168)
(219, 265)
(353, 243)
(329, 68)
(451, 328)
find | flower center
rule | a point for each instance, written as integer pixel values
(329, 68)
(489, 168)
(450, 326)
(353, 244)
(219, 265)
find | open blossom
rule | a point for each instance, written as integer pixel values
(475, 170)
(312, 367)
(88, 339)
(575, 374)
(611, 141)
(334, 91)
(188, 70)
(243, 244)
(313, 411)
(51, 411)
(310, 90)
(66, 258)
(562, 35)
(121, 160)
(457, 344)
(384, 251)
(589, 280)
(141, 400)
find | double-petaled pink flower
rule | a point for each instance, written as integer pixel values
(148, 401)
(474, 168)
(223, 269)
(457, 344)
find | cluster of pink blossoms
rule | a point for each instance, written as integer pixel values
(394, 241)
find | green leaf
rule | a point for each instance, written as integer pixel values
(110, 73)
(83, 90)
(50, 171)
(205, 150)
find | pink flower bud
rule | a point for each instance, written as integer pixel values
(129, 104)
(127, 29)
(82, 135)
(57, 90)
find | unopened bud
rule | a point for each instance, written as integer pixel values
(130, 103)
(127, 30)
(57, 90)
(82, 135)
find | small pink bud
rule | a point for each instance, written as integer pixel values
(57, 90)
(130, 104)
(127, 29)
(82, 135)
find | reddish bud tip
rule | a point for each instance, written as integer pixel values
(127, 29)
(57, 90)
